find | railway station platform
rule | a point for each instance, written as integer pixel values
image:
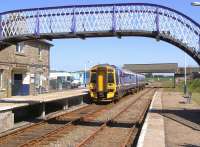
(21, 101)
(170, 119)
(18, 107)
(152, 133)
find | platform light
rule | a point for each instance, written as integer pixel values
(185, 76)
(195, 3)
(85, 72)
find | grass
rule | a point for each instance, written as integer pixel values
(193, 86)
(196, 97)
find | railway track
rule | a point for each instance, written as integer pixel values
(122, 129)
(87, 126)
(71, 127)
(22, 136)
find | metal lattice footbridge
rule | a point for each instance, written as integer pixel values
(102, 20)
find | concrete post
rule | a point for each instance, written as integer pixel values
(65, 104)
(174, 80)
(82, 100)
(42, 116)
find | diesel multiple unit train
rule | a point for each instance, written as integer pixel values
(109, 83)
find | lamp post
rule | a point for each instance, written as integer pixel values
(85, 72)
(185, 75)
(195, 3)
(85, 75)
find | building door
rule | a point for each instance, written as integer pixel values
(17, 84)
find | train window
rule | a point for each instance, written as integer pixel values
(93, 78)
(117, 78)
(110, 78)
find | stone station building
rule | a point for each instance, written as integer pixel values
(24, 68)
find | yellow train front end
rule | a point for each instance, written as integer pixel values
(102, 85)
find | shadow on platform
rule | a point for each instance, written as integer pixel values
(189, 118)
(189, 145)
(19, 101)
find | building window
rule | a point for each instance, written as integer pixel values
(1, 78)
(19, 47)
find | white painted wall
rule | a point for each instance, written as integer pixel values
(54, 75)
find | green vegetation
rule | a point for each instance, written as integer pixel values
(193, 86)
(164, 81)
(196, 97)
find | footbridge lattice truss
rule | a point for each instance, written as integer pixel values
(102, 20)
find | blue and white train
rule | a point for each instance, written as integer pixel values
(109, 83)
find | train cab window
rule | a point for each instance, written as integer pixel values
(110, 78)
(93, 78)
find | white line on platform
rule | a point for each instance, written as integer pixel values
(144, 128)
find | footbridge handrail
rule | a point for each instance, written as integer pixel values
(101, 20)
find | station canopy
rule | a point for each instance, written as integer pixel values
(152, 68)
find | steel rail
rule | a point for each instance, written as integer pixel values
(134, 130)
(37, 140)
(61, 129)
(13, 134)
(86, 140)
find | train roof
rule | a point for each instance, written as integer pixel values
(117, 68)
(104, 65)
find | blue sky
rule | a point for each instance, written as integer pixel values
(73, 54)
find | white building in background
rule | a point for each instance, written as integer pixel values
(81, 76)
(60, 80)
(56, 74)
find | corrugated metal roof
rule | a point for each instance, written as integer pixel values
(152, 68)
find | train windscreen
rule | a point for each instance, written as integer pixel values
(93, 78)
(110, 78)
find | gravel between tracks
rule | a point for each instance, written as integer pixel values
(26, 136)
(111, 113)
(72, 138)
(39, 130)
(133, 112)
(106, 138)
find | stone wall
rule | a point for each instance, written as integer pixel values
(6, 121)
(27, 61)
